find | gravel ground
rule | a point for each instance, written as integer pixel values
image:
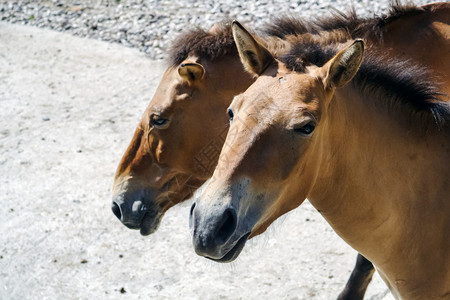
(150, 26)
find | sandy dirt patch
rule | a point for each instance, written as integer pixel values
(68, 108)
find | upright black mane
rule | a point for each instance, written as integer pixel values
(348, 22)
(402, 82)
(391, 79)
(211, 46)
(203, 44)
(305, 53)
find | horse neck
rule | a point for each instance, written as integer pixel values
(377, 171)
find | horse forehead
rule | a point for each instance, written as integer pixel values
(168, 91)
(284, 88)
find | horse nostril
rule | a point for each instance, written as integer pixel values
(192, 209)
(116, 210)
(227, 226)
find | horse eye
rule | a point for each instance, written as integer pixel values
(157, 121)
(306, 129)
(230, 114)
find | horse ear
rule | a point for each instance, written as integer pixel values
(254, 56)
(215, 29)
(343, 67)
(191, 72)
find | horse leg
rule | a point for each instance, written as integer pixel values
(359, 280)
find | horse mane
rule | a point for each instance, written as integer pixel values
(345, 26)
(348, 24)
(403, 82)
(398, 81)
(211, 46)
(204, 44)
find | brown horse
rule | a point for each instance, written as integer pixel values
(205, 66)
(366, 141)
(196, 53)
(176, 144)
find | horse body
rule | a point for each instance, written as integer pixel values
(372, 158)
(387, 195)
